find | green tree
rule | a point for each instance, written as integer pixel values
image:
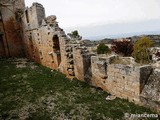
(74, 35)
(141, 50)
(102, 49)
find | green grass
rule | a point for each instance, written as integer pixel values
(36, 93)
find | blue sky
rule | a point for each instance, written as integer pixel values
(89, 15)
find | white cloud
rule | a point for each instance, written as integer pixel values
(85, 12)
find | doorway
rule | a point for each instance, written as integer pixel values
(56, 49)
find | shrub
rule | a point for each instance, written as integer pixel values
(102, 49)
(74, 34)
(141, 50)
(125, 47)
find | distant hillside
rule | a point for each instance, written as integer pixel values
(154, 38)
(118, 30)
(94, 43)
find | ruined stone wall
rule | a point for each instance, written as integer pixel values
(46, 43)
(43, 37)
(150, 95)
(33, 16)
(124, 81)
(39, 45)
(11, 22)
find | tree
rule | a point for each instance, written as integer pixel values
(124, 47)
(74, 35)
(141, 51)
(102, 49)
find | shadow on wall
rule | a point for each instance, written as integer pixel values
(150, 94)
(87, 68)
(2, 49)
(145, 73)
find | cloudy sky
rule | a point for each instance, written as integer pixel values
(90, 14)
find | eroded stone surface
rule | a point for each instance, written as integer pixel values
(150, 95)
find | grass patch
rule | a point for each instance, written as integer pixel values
(34, 92)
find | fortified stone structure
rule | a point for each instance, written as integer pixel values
(44, 42)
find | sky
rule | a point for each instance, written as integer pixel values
(86, 15)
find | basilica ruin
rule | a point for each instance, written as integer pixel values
(27, 32)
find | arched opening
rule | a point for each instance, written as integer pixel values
(56, 46)
(56, 50)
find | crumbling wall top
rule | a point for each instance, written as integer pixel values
(37, 4)
(51, 20)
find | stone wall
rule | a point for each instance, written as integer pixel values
(45, 42)
(11, 23)
(124, 81)
(150, 95)
(33, 16)
(42, 40)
